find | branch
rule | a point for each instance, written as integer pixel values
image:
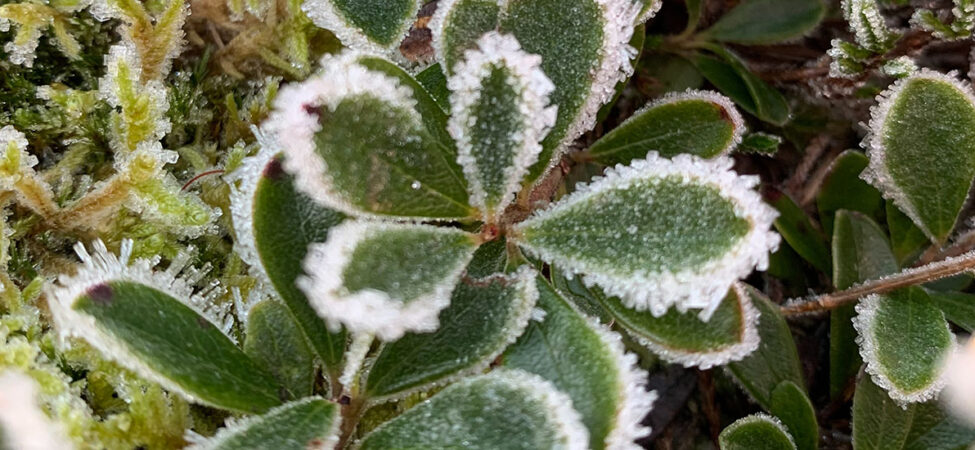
(935, 271)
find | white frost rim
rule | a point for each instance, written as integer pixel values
(324, 14)
(371, 311)
(248, 175)
(524, 278)
(533, 88)
(235, 427)
(877, 172)
(864, 322)
(650, 11)
(762, 417)
(749, 342)
(103, 267)
(701, 287)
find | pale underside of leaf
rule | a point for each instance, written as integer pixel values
(384, 163)
(873, 339)
(500, 114)
(936, 142)
(740, 311)
(307, 424)
(419, 268)
(375, 26)
(574, 346)
(389, 376)
(607, 233)
(503, 409)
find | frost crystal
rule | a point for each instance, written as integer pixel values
(243, 186)
(326, 14)
(762, 417)
(101, 267)
(868, 25)
(143, 105)
(701, 287)
(385, 313)
(22, 423)
(524, 75)
(749, 342)
(295, 123)
(864, 323)
(235, 426)
(14, 159)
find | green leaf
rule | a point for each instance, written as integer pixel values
(904, 339)
(776, 360)
(458, 24)
(275, 341)
(791, 405)
(107, 303)
(879, 423)
(767, 21)
(274, 224)
(700, 123)
(922, 147)
(621, 238)
(356, 141)
(869, 26)
(798, 230)
(650, 7)
(843, 189)
(760, 143)
(370, 25)
(958, 307)
(756, 432)
(507, 409)
(434, 81)
(860, 253)
(906, 239)
(500, 113)
(668, 73)
(934, 429)
(729, 335)
(586, 361)
(385, 278)
(483, 318)
(299, 425)
(637, 41)
(583, 45)
(730, 75)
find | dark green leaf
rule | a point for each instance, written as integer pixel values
(730, 75)
(365, 24)
(843, 189)
(767, 21)
(299, 425)
(798, 230)
(434, 81)
(275, 341)
(934, 429)
(760, 143)
(878, 422)
(906, 239)
(458, 24)
(791, 405)
(959, 307)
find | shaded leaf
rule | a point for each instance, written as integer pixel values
(933, 429)
(879, 423)
(434, 81)
(756, 432)
(791, 405)
(798, 230)
(730, 75)
(843, 189)
(700, 123)
(618, 233)
(274, 340)
(906, 239)
(586, 361)
(504, 409)
(760, 143)
(767, 21)
(483, 318)
(299, 425)
(958, 307)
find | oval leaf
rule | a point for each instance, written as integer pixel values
(621, 237)
(107, 302)
(730, 334)
(879, 423)
(274, 340)
(767, 21)
(587, 361)
(731, 76)
(356, 142)
(369, 25)
(274, 224)
(499, 100)
(300, 425)
(383, 278)
(699, 123)
(922, 147)
(904, 340)
(843, 189)
(791, 405)
(756, 432)
(483, 318)
(507, 409)
(458, 24)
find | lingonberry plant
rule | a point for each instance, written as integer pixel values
(491, 224)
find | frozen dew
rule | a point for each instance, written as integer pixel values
(498, 129)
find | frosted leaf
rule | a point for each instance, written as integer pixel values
(457, 25)
(589, 364)
(899, 67)
(31, 21)
(355, 142)
(961, 26)
(729, 335)
(14, 161)
(500, 113)
(310, 420)
(383, 278)
(869, 26)
(699, 228)
(485, 316)
(649, 9)
(904, 341)
(754, 431)
(508, 409)
(368, 25)
(143, 105)
(959, 394)
(106, 301)
(922, 149)
(701, 123)
(23, 425)
(848, 58)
